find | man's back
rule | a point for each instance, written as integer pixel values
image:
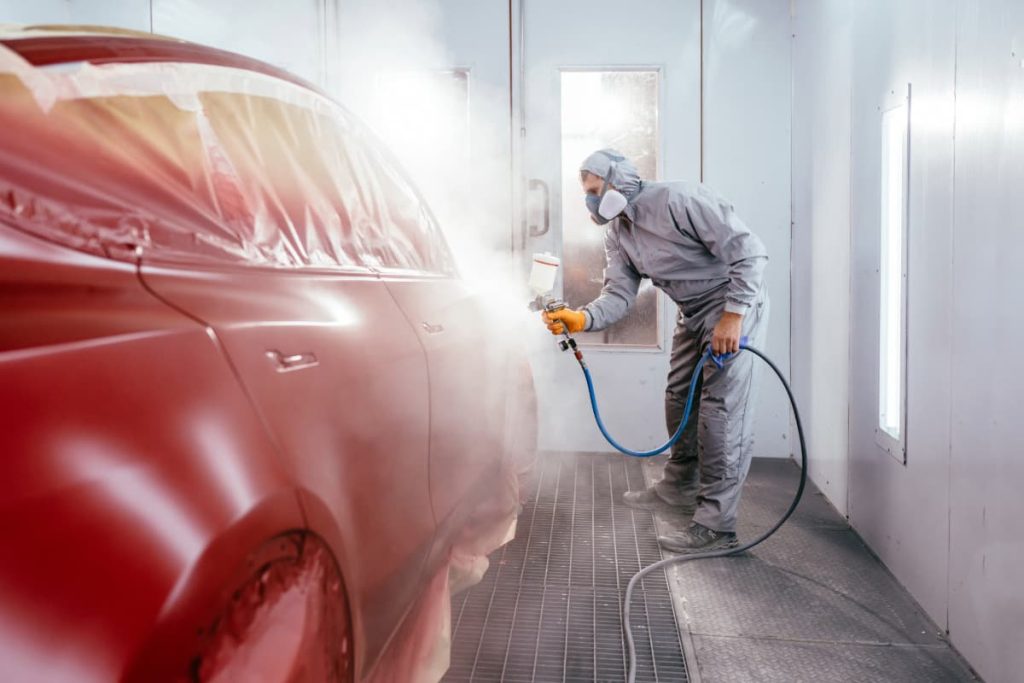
(689, 242)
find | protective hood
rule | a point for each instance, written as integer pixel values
(616, 169)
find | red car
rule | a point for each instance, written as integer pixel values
(250, 430)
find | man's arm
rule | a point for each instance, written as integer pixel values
(621, 283)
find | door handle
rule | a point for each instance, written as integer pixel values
(296, 361)
(537, 184)
(433, 329)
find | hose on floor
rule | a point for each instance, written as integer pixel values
(724, 552)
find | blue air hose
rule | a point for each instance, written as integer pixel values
(719, 360)
(679, 430)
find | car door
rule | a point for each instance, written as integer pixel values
(340, 380)
(263, 251)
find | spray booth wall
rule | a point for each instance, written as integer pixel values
(947, 521)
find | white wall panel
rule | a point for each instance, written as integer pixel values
(948, 522)
(902, 510)
(38, 12)
(131, 14)
(747, 160)
(986, 506)
(822, 53)
(290, 36)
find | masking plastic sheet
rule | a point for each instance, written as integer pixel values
(202, 163)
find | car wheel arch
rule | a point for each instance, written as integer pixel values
(269, 531)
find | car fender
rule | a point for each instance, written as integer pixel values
(236, 553)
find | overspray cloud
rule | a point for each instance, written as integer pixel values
(450, 130)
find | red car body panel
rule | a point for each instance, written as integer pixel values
(351, 419)
(225, 319)
(463, 375)
(113, 511)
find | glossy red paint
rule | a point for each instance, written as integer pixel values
(352, 423)
(135, 471)
(224, 324)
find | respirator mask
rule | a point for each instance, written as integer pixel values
(607, 205)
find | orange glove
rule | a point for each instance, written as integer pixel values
(574, 320)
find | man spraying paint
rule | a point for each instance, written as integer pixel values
(692, 246)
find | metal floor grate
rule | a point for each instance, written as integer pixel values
(549, 608)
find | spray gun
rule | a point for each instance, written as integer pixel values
(542, 283)
(550, 304)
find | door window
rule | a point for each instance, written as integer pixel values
(326, 188)
(605, 109)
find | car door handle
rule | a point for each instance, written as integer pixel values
(433, 329)
(296, 361)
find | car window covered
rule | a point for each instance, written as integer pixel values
(321, 180)
(203, 164)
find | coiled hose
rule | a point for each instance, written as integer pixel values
(724, 552)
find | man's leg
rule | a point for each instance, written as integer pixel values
(726, 441)
(682, 471)
(679, 484)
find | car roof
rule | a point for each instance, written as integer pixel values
(48, 45)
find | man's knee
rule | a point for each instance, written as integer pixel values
(720, 469)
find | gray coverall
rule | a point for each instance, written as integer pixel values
(693, 247)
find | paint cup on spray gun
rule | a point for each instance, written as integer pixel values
(542, 277)
(542, 284)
